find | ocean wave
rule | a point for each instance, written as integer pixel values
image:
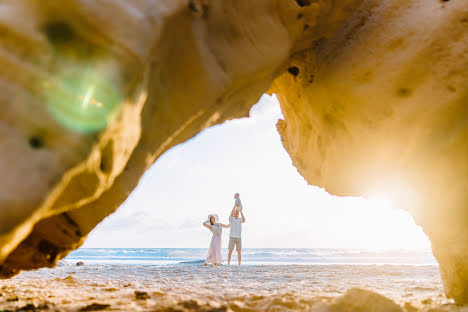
(259, 256)
(195, 262)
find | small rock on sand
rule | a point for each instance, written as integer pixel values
(191, 305)
(80, 263)
(29, 307)
(410, 308)
(357, 299)
(11, 299)
(32, 308)
(95, 307)
(141, 295)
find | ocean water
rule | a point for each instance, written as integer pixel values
(252, 256)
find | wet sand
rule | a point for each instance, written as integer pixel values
(113, 287)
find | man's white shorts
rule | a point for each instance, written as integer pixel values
(235, 241)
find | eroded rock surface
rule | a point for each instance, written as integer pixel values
(382, 108)
(93, 92)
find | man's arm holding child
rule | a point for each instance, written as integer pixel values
(243, 218)
(233, 211)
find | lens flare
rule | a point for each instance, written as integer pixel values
(82, 100)
(87, 97)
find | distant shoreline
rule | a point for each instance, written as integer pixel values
(254, 256)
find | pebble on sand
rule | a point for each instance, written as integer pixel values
(95, 307)
(141, 295)
(357, 299)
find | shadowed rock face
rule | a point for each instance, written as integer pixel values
(373, 94)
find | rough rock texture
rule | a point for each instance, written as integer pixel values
(93, 92)
(357, 299)
(381, 108)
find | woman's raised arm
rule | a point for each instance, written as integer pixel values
(208, 225)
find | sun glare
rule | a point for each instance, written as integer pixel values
(381, 201)
(87, 97)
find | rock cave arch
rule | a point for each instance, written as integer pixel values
(373, 93)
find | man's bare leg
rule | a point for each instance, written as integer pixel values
(229, 256)
(239, 257)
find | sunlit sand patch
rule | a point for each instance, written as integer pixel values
(249, 288)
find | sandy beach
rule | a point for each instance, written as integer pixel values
(123, 287)
(127, 125)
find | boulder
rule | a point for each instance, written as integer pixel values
(357, 299)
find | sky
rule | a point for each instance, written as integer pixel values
(246, 155)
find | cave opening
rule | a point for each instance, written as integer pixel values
(283, 212)
(298, 240)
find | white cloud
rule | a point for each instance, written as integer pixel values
(267, 108)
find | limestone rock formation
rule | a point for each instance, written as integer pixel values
(357, 299)
(382, 108)
(93, 92)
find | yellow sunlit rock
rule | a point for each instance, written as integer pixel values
(93, 92)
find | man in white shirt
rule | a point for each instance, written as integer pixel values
(235, 237)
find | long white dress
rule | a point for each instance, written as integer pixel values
(214, 253)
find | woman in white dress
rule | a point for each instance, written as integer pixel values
(214, 253)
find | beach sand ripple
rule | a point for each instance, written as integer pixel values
(316, 288)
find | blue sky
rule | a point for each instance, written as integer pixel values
(246, 156)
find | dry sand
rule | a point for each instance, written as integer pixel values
(112, 287)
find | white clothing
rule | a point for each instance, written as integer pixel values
(236, 227)
(238, 204)
(214, 252)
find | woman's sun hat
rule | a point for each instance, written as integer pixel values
(213, 215)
